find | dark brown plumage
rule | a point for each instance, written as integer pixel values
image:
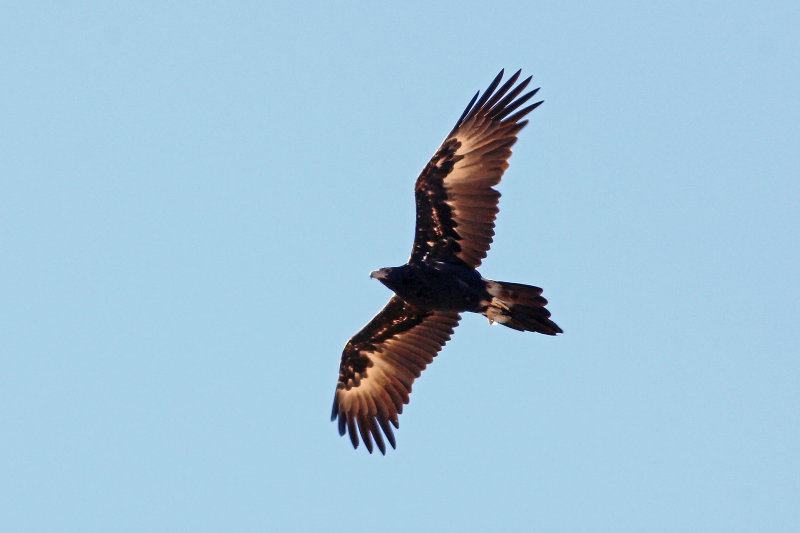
(456, 209)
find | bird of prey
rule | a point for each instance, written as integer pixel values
(456, 209)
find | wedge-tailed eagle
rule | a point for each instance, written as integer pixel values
(456, 209)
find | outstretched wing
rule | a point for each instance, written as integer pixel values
(456, 204)
(380, 363)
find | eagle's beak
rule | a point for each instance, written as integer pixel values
(379, 274)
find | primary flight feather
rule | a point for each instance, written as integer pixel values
(456, 209)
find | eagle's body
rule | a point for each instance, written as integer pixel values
(435, 285)
(456, 208)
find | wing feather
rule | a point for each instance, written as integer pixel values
(379, 365)
(456, 201)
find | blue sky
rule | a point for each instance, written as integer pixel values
(194, 194)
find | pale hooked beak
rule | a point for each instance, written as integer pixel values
(379, 274)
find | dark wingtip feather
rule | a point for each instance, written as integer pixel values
(387, 430)
(351, 430)
(500, 103)
(504, 89)
(521, 113)
(508, 107)
(467, 109)
(500, 98)
(363, 428)
(489, 90)
(376, 434)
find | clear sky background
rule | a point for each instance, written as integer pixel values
(194, 194)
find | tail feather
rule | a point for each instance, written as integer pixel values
(519, 307)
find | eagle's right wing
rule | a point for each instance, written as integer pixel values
(380, 363)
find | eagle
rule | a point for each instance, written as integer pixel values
(456, 208)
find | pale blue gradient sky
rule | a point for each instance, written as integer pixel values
(193, 197)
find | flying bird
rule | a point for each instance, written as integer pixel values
(456, 209)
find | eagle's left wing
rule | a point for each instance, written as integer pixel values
(456, 202)
(380, 363)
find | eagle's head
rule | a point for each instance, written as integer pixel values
(381, 274)
(394, 278)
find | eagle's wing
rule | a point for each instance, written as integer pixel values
(380, 363)
(456, 204)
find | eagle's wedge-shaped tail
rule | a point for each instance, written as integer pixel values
(520, 307)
